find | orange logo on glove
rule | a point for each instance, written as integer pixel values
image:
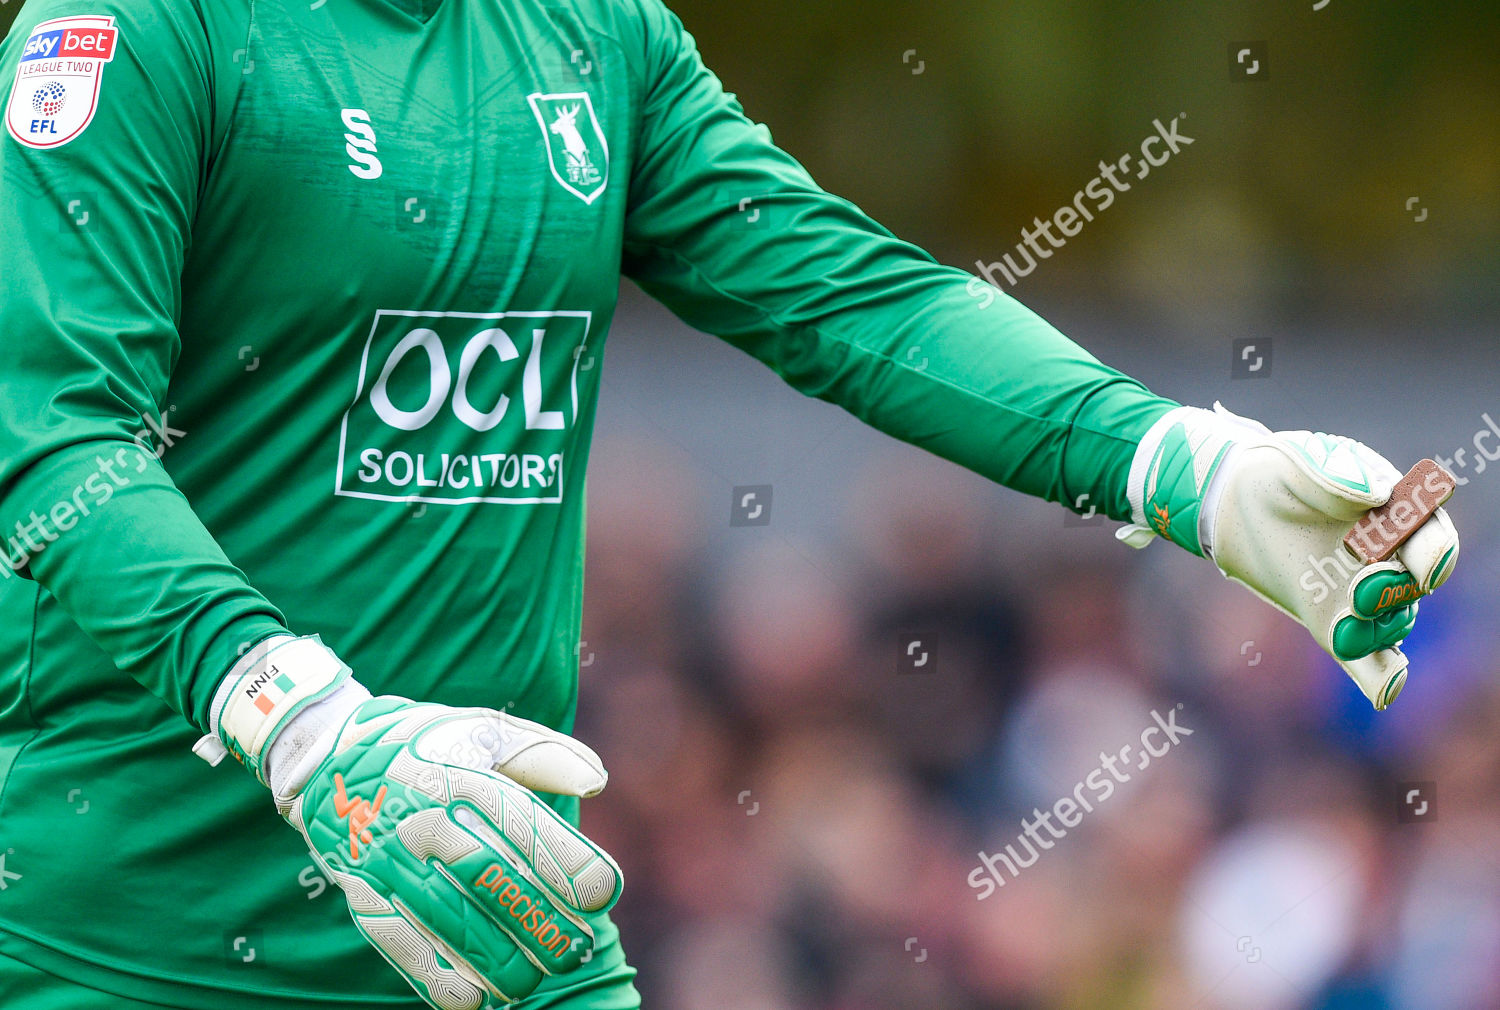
(1161, 520)
(361, 813)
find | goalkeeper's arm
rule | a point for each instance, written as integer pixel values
(846, 312)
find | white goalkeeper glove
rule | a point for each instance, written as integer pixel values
(466, 882)
(1271, 509)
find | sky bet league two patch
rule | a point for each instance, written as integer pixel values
(57, 83)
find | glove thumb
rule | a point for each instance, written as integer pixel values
(551, 762)
(539, 758)
(1350, 477)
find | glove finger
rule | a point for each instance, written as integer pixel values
(1380, 676)
(552, 762)
(509, 922)
(1431, 552)
(410, 890)
(1380, 588)
(437, 974)
(533, 755)
(510, 817)
(1353, 637)
(1391, 629)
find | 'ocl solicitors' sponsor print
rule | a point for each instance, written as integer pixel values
(464, 407)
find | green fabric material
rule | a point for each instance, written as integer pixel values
(25, 986)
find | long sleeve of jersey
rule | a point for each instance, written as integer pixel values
(94, 234)
(734, 236)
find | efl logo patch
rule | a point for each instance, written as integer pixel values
(576, 149)
(57, 84)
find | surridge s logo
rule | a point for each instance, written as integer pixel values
(359, 142)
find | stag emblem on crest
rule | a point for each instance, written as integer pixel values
(576, 150)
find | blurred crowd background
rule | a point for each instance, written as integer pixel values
(798, 818)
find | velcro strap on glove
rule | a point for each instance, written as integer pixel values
(269, 685)
(1171, 487)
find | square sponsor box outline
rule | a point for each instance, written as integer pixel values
(586, 315)
(1092, 517)
(416, 212)
(755, 211)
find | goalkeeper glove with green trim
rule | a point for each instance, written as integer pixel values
(466, 882)
(1271, 510)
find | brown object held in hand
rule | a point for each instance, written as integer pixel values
(1413, 501)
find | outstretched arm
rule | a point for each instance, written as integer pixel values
(732, 234)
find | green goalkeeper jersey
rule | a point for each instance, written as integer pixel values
(304, 309)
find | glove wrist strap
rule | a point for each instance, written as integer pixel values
(264, 690)
(1172, 487)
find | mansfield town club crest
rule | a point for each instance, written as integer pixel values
(576, 151)
(56, 91)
